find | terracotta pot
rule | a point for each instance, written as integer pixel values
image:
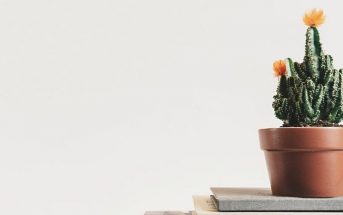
(304, 162)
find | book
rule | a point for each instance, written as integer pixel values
(261, 199)
(205, 206)
(167, 213)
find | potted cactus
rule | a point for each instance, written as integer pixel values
(305, 156)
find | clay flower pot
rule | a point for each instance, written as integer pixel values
(304, 161)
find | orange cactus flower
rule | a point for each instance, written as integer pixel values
(314, 18)
(279, 68)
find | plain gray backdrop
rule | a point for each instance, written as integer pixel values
(117, 107)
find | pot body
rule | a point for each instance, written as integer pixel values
(304, 162)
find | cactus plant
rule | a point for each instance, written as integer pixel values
(309, 93)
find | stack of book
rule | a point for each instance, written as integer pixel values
(249, 201)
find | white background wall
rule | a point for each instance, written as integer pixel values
(117, 107)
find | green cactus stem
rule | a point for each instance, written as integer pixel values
(310, 93)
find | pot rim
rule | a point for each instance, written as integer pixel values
(301, 139)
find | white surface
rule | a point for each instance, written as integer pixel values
(118, 107)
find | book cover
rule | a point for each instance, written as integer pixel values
(261, 199)
(204, 206)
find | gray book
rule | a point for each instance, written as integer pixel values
(261, 199)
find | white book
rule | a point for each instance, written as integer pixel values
(204, 206)
(167, 213)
